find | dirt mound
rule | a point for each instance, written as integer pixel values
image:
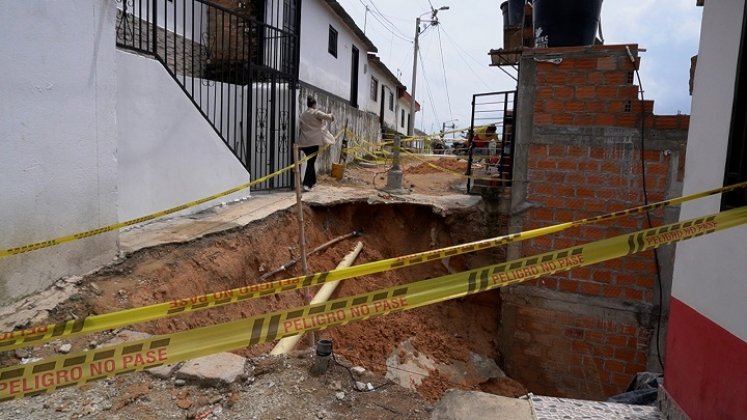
(447, 164)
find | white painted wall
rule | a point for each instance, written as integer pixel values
(710, 272)
(320, 68)
(57, 138)
(168, 153)
(375, 106)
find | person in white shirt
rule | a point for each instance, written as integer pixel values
(310, 136)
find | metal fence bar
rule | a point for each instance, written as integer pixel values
(238, 67)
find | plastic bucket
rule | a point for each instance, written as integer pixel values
(565, 23)
(338, 170)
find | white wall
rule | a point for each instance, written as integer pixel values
(168, 153)
(320, 68)
(57, 138)
(710, 272)
(389, 86)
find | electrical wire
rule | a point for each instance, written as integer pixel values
(427, 88)
(459, 50)
(385, 23)
(443, 67)
(657, 337)
(352, 377)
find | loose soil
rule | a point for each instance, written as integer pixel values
(446, 332)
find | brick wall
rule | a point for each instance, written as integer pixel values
(585, 333)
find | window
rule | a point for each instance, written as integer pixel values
(736, 154)
(402, 119)
(332, 43)
(374, 89)
(391, 101)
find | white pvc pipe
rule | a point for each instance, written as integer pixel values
(289, 343)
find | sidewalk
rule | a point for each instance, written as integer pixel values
(258, 206)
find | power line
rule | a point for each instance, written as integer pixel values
(443, 67)
(459, 48)
(385, 23)
(427, 88)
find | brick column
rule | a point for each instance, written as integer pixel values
(585, 333)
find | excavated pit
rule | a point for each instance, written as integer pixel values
(451, 333)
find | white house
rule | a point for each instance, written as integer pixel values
(706, 352)
(334, 52)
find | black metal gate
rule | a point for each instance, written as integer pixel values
(237, 61)
(491, 135)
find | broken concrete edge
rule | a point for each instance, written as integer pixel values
(458, 404)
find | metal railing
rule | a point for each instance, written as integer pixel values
(491, 135)
(238, 66)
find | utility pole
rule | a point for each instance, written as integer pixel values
(433, 21)
(411, 122)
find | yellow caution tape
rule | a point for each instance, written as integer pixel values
(116, 226)
(41, 334)
(83, 367)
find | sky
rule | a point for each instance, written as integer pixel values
(669, 30)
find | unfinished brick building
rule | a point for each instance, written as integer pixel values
(580, 130)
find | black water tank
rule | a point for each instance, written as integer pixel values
(504, 10)
(516, 12)
(565, 23)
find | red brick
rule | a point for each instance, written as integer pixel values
(556, 78)
(542, 118)
(617, 340)
(567, 164)
(614, 366)
(604, 119)
(627, 120)
(585, 92)
(584, 192)
(633, 294)
(596, 106)
(562, 119)
(595, 337)
(588, 166)
(625, 355)
(613, 167)
(577, 78)
(544, 92)
(542, 214)
(561, 92)
(595, 78)
(554, 106)
(652, 155)
(616, 77)
(585, 63)
(602, 276)
(546, 164)
(577, 151)
(567, 285)
(607, 63)
(611, 292)
(629, 330)
(607, 91)
(603, 351)
(615, 107)
(590, 288)
(630, 91)
(583, 119)
(574, 106)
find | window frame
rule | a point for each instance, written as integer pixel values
(332, 41)
(391, 101)
(374, 89)
(735, 164)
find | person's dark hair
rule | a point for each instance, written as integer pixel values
(310, 101)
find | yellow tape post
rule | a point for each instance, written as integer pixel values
(116, 226)
(83, 367)
(41, 334)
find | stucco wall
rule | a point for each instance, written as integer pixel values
(364, 125)
(58, 138)
(709, 272)
(321, 69)
(375, 106)
(168, 153)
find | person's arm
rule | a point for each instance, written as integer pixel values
(323, 116)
